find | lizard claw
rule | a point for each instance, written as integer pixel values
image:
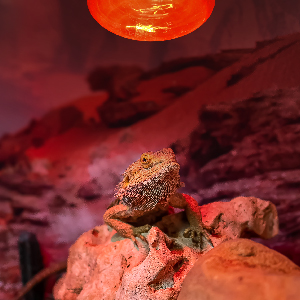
(137, 232)
(143, 238)
(132, 232)
(134, 240)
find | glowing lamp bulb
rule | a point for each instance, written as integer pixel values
(151, 20)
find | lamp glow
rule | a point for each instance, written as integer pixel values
(151, 20)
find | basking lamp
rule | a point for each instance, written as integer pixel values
(151, 20)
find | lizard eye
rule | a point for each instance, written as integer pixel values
(146, 160)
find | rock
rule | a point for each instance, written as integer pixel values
(25, 186)
(161, 274)
(6, 212)
(242, 216)
(26, 202)
(38, 132)
(177, 90)
(96, 266)
(89, 190)
(36, 218)
(118, 270)
(215, 62)
(242, 269)
(119, 114)
(249, 147)
(57, 203)
(104, 265)
(70, 116)
(119, 81)
(8, 240)
(252, 127)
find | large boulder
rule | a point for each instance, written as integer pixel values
(103, 265)
(242, 269)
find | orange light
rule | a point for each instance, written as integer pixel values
(151, 20)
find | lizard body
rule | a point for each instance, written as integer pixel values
(148, 188)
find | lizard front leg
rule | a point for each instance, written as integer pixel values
(197, 229)
(113, 217)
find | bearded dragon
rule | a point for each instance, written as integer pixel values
(147, 190)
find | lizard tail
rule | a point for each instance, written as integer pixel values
(57, 267)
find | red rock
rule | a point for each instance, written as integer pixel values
(89, 190)
(121, 114)
(242, 269)
(6, 212)
(241, 217)
(150, 20)
(103, 265)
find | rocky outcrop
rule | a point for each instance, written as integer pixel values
(215, 62)
(89, 190)
(104, 265)
(242, 269)
(119, 81)
(58, 121)
(120, 114)
(249, 147)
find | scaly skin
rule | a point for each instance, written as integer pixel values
(149, 185)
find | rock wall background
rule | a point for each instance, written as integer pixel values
(250, 147)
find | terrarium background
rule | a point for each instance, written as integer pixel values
(63, 166)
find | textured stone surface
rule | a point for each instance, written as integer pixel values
(118, 270)
(96, 266)
(242, 269)
(6, 212)
(120, 114)
(119, 81)
(36, 133)
(103, 264)
(160, 275)
(240, 217)
(89, 190)
(249, 147)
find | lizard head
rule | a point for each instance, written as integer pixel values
(152, 178)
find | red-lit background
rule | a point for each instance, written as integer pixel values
(48, 47)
